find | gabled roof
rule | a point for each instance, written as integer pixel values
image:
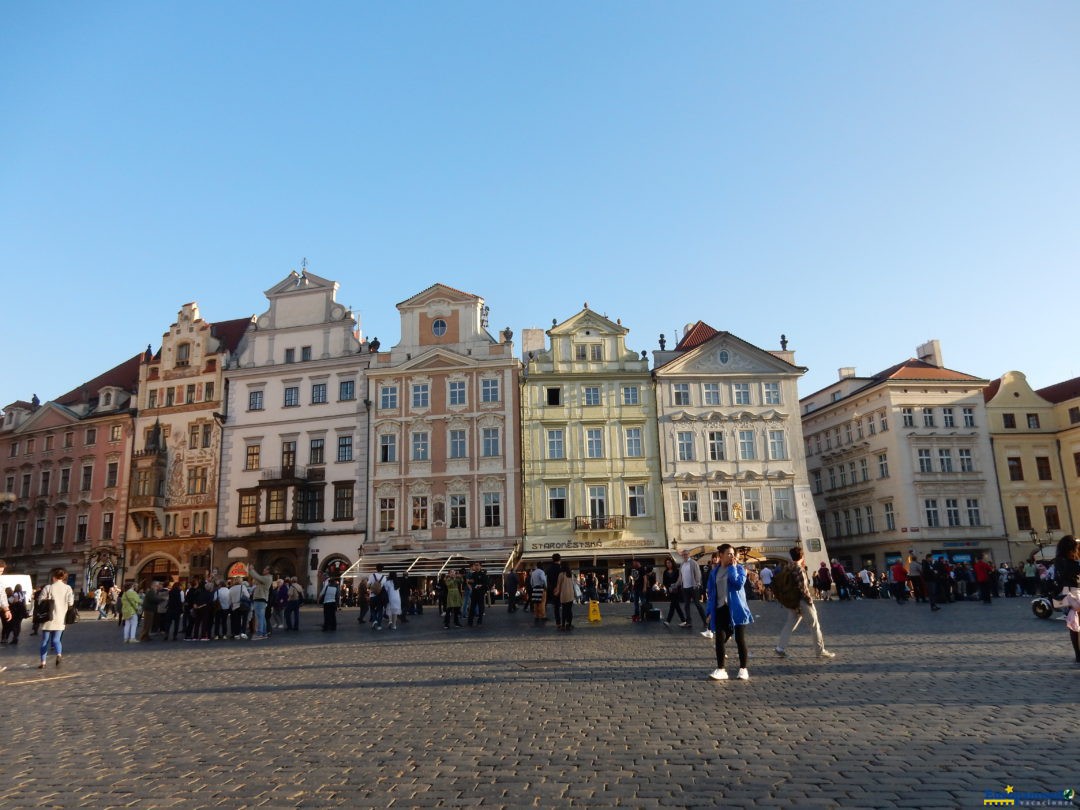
(439, 287)
(230, 333)
(1062, 391)
(991, 390)
(125, 376)
(695, 336)
(20, 403)
(586, 316)
(913, 369)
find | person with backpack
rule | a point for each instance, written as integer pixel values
(378, 598)
(792, 589)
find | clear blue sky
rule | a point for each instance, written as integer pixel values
(859, 176)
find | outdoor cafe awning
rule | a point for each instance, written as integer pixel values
(431, 563)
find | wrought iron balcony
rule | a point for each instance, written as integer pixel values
(600, 523)
(289, 472)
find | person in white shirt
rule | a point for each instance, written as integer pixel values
(52, 630)
(538, 594)
(690, 580)
(393, 606)
(328, 598)
(766, 582)
(239, 606)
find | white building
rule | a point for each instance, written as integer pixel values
(900, 463)
(731, 450)
(294, 445)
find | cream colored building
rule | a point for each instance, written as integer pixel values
(173, 496)
(1037, 455)
(294, 445)
(444, 456)
(589, 446)
(731, 449)
(900, 462)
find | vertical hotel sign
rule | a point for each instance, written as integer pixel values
(809, 527)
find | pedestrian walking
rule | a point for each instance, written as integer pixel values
(130, 606)
(730, 614)
(1067, 571)
(59, 593)
(803, 610)
(565, 593)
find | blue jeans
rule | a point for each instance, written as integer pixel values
(51, 637)
(292, 614)
(377, 614)
(259, 606)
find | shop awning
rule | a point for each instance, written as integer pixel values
(431, 563)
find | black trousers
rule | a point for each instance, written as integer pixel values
(724, 631)
(329, 616)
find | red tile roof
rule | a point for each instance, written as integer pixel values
(125, 376)
(991, 390)
(912, 369)
(434, 286)
(1062, 391)
(230, 332)
(697, 334)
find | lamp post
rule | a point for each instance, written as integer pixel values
(1039, 541)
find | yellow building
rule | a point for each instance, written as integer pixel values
(589, 446)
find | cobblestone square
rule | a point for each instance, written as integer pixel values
(918, 710)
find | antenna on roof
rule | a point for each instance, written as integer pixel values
(303, 263)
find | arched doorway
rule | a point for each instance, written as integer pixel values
(283, 566)
(162, 569)
(333, 566)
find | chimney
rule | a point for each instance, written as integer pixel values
(930, 352)
(847, 372)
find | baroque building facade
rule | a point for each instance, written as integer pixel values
(731, 449)
(173, 498)
(901, 463)
(294, 440)
(444, 453)
(589, 446)
(65, 472)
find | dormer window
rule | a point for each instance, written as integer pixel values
(183, 354)
(106, 400)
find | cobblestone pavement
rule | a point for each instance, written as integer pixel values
(918, 710)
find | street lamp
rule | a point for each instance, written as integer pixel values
(1040, 542)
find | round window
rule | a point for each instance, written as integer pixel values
(438, 327)
(724, 357)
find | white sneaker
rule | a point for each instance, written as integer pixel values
(719, 675)
(708, 633)
(826, 654)
(744, 675)
(243, 636)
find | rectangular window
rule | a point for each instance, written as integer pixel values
(580, 353)
(343, 501)
(556, 448)
(883, 421)
(966, 462)
(1008, 421)
(816, 478)
(746, 445)
(492, 509)
(107, 526)
(388, 396)
(1016, 468)
(928, 417)
(91, 436)
(554, 396)
(316, 451)
(843, 474)
(275, 505)
(740, 393)
(1074, 415)
(170, 395)
(305, 353)
(864, 470)
(778, 446)
(907, 416)
(490, 442)
(193, 436)
(207, 434)
(387, 448)
(196, 480)
(13, 450)
(1076, 463)
(969, 417)
(847, 522)
(847, 432)
(82, 524)
(318, 393)
(69, 439)
(890, 517)
(290, 355)
(883, 465)
(751, 500)
(59, 530)
(65, 481)
(594, 443)
(635, 500)
(1023, 518)
(116, 433)
(459, 517)
(208, 392)
(870, 527)
(930, 508)
(20, 533)
(346, 390)
(189, 395)
(309, 504)
(945, 460)
(421, 395)
(771, 393)
(420, 446)
(680, 394)
(721, 508)
(46, 480)
(456, 392)
(557, 503)
(710, 393)
(689, 507)
(387, 514)
(87, 478)
(685, 443)
(838, 527)
(974, 513)
(1042, 467)
(925, 463)
(292, 396)
(782, 508)
(255, 400)
(25, 491)
(596, 352)
(1033, 421)
(716, 445)
(252, 460)
(630, 395)
(1053, 522)
(832, 478)
(633, 443)
(952, 511)
(947, 417)
(871, 426)
(591, 394)
(457, 443)
(489, 390)
(344, 448)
